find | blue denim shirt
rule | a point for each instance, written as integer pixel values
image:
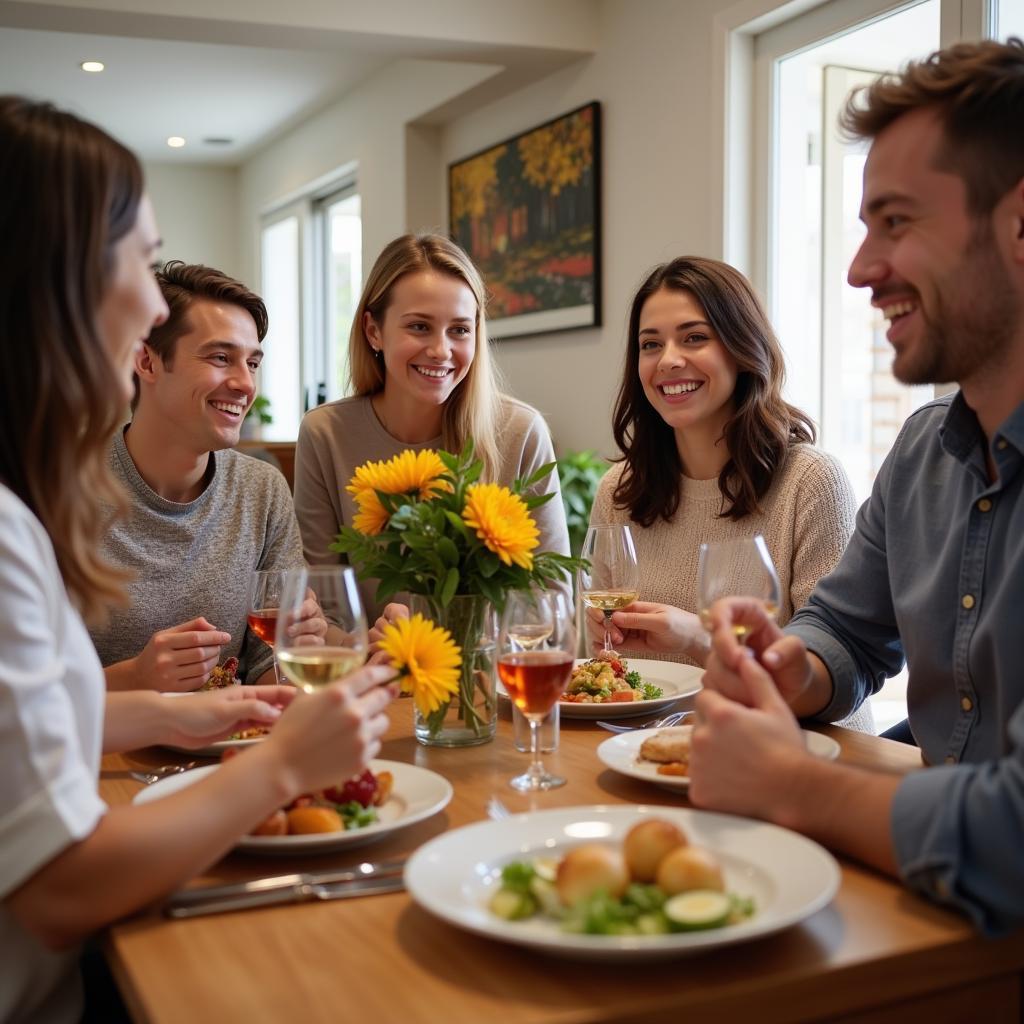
(935, 571)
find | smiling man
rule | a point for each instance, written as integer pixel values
(201, 517)
(935, 570)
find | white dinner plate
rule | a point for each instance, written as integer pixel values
(788, 876)
(675, 679)
(215, 749)
(417, 794)
(621, 753)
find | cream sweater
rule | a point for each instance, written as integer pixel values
(807, 518)
(336, 438)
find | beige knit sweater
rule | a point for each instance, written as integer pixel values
(807, 518)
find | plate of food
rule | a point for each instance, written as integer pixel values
(623, 882)
(661, 755)
(390, 795)
(612, 686)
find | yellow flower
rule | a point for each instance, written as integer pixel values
(427, 659)
(371, 516)
(503, 522)
(408, 472)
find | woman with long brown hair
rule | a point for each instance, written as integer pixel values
(712, 452)
(77, 298)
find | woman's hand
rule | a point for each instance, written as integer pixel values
(390, 613)
(199, 719)
(179, 658)
(331, 735)
(652, 629)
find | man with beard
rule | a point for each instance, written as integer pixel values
(935, 570)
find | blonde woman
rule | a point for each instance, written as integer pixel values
(422, 377)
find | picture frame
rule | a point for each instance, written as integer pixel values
(528, 212)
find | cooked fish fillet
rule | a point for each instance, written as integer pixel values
(667, 745)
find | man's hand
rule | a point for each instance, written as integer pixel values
(179, 658)
(746, 759)
(784, 657)
(390, 613)
(652, 629)
(199, 719)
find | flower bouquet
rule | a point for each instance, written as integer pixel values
(426, 526)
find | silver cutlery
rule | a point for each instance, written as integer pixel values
(658, 723)
(156, 774)
(363, 880)
(496, 810)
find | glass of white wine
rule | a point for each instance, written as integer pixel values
(613, 579)
(321, 626)
(737, 568)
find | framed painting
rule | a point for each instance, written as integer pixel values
(527, 211)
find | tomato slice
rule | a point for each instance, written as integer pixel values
(622, 697)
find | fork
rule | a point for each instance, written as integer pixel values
(156, 774)
(658, 723)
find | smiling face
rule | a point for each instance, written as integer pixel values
(132, 304)
(934, 271)
(206, 389)
(427, 336)
(686, 371)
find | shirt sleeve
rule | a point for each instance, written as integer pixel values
(283, 550)
(316, 514)
(849, 621)
(48, 800)
(957, 834)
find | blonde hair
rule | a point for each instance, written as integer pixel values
(471, 409)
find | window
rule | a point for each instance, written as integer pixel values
(1009, 18)
(311, 274)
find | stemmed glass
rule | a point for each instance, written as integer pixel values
(535, 659)
(737, 568)
(613, 579)
(265, 587)
(321, 626)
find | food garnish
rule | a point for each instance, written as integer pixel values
(223, 675)
(656, 883)
(605, 679)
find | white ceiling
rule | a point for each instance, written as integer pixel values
(154, 88)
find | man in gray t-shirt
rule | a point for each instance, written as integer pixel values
(201, 516)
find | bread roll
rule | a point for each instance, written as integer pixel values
(585, 870)
(647, 843)
(687, 868)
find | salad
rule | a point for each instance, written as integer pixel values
(606, 679)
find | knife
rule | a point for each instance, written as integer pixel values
(362, 880)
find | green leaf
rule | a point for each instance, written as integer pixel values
(488, 563)
(456, 520)
(448, 551)
(537, 475)
(451, 584)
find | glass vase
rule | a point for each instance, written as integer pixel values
(470, 717)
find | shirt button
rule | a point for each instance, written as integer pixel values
(984, 505)
(950, 759)
(966, 703)
(967, 601)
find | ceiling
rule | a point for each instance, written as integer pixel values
(155, 88)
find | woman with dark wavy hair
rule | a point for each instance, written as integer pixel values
(77, 298)
(711, 451)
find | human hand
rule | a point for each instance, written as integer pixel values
(746, 759)
(199, 719)
(390, 613)
(179, 658)
(308, 627)
(651, 628)
(334, 733)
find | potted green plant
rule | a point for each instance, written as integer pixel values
(579, 473)
(257, 417)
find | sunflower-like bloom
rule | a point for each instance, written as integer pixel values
(427, 659)
(503, 522)
(371, 516)
(408, 472)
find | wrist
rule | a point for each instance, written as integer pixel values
(699, 648)
(276, 771)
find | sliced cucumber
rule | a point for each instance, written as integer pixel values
(696, 910)
(512, 905)
(546, 867)
(546, 895)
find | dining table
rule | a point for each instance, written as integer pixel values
(876, 953)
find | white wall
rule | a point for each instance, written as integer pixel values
(652, 74)
(197, 211)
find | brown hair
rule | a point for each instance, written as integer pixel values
(977, 89)
(758, 434)
(471, 410)
(68, 194)
(183, 284)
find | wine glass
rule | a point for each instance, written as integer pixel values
(535, 659)
(321, 626)
(737, 568)
(265, 586)
(613, 579)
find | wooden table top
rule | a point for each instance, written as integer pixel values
(876, 953)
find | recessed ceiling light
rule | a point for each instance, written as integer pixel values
(175, 141)
(95, 66)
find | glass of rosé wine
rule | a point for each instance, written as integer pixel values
(536, 647)
(266, 587)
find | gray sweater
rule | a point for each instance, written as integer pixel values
(195, 559)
